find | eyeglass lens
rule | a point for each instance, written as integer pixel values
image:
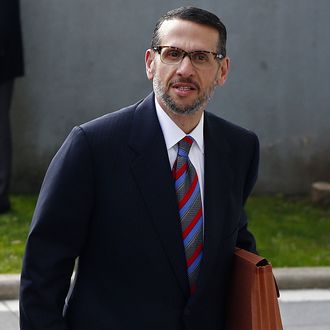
(171, 55)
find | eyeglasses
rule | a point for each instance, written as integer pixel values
(200, 59)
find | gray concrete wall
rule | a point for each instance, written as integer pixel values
(86, 58)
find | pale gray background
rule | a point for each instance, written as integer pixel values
(86, 58)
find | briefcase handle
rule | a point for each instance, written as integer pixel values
(258, 261)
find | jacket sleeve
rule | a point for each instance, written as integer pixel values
(57, 234)
(245, 238)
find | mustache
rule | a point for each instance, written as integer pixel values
(185, 80)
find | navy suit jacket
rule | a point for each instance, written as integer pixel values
(108, 198)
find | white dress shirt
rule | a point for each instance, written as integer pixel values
(173, 134)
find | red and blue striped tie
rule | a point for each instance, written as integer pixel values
(190, 209)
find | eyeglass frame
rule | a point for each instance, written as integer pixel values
(158, 49)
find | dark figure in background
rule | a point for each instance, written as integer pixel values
(150, 198)
(11, 66)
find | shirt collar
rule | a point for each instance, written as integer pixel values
(173, 133)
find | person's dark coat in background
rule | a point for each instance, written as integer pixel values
(11, 49)
(11, 66)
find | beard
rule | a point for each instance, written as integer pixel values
(200, 103)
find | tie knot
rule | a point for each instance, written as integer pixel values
(185, 145)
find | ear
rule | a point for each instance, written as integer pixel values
(223, 71)
(149, 60)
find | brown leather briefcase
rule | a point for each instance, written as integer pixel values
(253, 296)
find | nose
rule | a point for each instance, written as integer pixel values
(185, 67)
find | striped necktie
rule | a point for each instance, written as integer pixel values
(190, 209)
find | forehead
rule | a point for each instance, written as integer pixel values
(188, 35)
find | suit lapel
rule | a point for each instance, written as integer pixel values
(150, 165)
(218, 180)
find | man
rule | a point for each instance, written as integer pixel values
(154, 224)
(11, 66)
